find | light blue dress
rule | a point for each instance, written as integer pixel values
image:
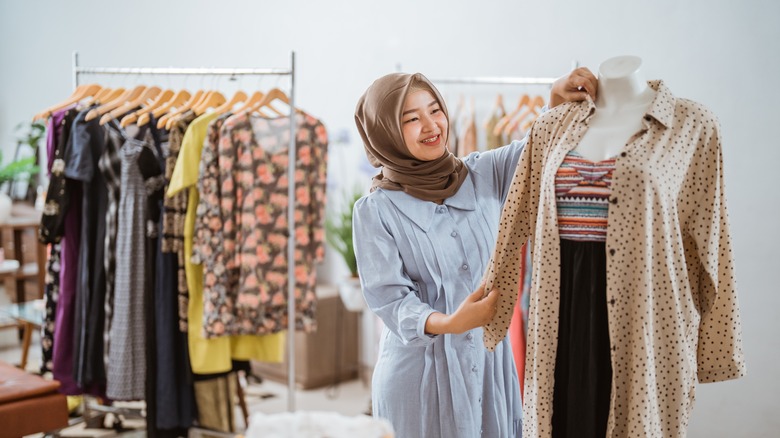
(416, 257)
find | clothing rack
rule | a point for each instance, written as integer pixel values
(498, 80)
(494, 80)
(79, 71)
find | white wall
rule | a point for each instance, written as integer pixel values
(721, 53)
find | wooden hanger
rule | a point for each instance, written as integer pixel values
(114, 103)
(143, 99)
(270, 97)
(177, 99)
(99, 97)
(253, 100)
(166, 120)
(239, 97)
(531, 110)
(214, 100)
(110, 96)
(157, 102)
(81, 92)
(538, 104)
(524, 101)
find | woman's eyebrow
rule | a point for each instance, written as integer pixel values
(415, 109)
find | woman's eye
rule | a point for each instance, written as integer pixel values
(414, 119)
(435, 110)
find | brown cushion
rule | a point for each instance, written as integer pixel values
(39, 414)
(16, 384)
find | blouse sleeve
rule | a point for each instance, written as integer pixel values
(719, 356)
(388, 290)
(517, 221)
(504, 163)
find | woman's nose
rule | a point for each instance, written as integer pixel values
(429, 124)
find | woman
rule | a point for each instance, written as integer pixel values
(423, 238)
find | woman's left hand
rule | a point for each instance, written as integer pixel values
(574, 87)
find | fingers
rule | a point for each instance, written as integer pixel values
(492, 297)
(583, 79)
(477, 294)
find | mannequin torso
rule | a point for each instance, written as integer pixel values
(623, 98)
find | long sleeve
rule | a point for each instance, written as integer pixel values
(517, 222)
(388, 290)
(719, 356)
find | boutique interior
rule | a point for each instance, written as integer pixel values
(172, 172)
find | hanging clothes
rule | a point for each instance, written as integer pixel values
(63, 354)
(672, 174)
(253, 164)
(173, 392)
(87, 146)
(110, 165)
(50, 230)
(174, 215)
(209, 356)
(140, 177)
(493, 140)
(467, 138)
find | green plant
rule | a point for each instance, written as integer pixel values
(24, 168)
(338, 230)
(17, 169)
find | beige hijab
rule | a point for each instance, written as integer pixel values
(378, 118)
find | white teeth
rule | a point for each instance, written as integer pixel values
(431, 140)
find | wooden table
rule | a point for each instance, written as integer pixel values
(24, 219)
(28, 316)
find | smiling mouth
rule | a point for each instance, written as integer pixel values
(433, 140)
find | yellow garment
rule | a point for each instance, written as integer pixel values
(208, 356)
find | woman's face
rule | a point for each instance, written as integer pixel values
(424, 126)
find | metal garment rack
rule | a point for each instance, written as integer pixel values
(494, 80)
(79, 71)
(499, 80)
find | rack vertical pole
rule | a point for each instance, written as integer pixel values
(291, 317)
(75, 66)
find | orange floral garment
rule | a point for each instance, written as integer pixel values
(241, 233)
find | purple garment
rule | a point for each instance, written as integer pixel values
(66, 303)
(52, 134)
(65, 330)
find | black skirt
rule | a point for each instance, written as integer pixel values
(583, 371)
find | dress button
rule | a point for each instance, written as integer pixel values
(453, 234)
(623, 154)
(647, 118)
(464, 267)
(612, 301)
(612, 251)
(469, 336)
(613, 200)
(474, 368)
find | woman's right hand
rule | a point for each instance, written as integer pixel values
(475, 311)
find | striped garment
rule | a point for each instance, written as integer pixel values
(582, 189)
(110, 165)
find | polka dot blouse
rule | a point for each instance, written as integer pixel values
(672, 303)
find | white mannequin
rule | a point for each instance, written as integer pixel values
(623, 99)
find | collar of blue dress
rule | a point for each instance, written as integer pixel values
(421, 212)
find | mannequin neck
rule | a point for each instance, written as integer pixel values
(622, 85)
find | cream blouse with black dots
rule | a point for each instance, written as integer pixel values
(672, 304)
